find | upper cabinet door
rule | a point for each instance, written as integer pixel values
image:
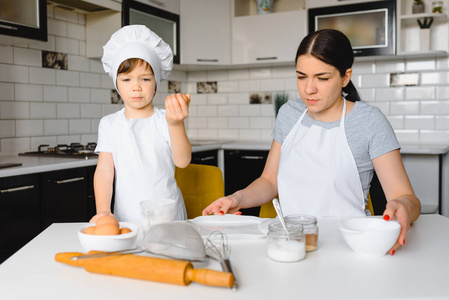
(269, 38)
(205, 32)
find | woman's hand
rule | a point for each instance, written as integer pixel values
(177, 107)
(99, 215)
(396, 209)
(222, 206)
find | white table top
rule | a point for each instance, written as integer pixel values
(420, 270)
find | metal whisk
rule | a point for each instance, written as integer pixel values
(218, 249)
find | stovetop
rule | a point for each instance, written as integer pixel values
(74, 150)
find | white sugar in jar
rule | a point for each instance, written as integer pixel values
(286, 249)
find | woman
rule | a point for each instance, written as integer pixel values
(327, 144)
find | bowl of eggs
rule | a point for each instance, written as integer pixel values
(370, 236)
(107, 234)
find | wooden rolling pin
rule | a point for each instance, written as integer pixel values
(149, 268)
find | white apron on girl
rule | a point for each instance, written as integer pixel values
(318, 174)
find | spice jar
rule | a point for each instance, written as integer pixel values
(310, 229)
(286, 248)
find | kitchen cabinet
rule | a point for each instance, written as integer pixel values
(241, 167)
(99, 28)
(23, 21)
(19, 212)
(325, 3)
(205, 32)
(267, 38)
(64, 196)
(409, 32)
(209, 157)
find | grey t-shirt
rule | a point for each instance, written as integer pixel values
(368, 131)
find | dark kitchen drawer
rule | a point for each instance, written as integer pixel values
(65, 196)
(209, 157)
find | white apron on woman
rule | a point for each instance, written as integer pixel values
(318, 174)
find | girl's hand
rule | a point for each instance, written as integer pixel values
(396, 210)
(99, 215)
(222, 206)
(177, 107)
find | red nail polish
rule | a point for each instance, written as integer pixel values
(221, 212)
(386, 217)
(392, 252)
(238, 213)
(403, 242)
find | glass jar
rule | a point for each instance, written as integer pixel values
(286, 248)
(310, 229)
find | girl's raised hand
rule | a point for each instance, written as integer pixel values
(177, 107)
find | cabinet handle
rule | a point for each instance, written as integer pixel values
(69, 180)
(205, 158)
(8, 27)
(251, 157)
(20, 188)
(266, 58)
(207, 60)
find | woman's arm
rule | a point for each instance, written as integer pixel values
(402, 204)
(103, 185)
(177, 107)
(260, 191)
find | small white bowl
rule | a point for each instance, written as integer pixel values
(108, 242)
(370, 236)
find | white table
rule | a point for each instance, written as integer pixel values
(420, 270)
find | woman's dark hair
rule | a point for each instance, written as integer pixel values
(333, 48)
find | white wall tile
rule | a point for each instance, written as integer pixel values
(397, 122)
(227, 86)
(79, 94)
(267, 110)
(195, 123)
(15, 145)
(407, 136)
(238, 74)
(377, 80)
(14, 110)
(55, 93)
(390, 94)
(191, 88)
(6, 54)
(272, 85)
(101, 96)
(78, 63)
(238, 122)
(442, 122)
(26, 128)
(66, 15)
(82, 48)
(81, 19)
(106, 82)
(434, 107)
(42, 110)
(65, 45)
(88, 138)
(79, 126)
(94, 125)
(433, 78)
(42, 76)
(419, 122)
(363, 67)
(290, 84)
(97, 67)
(56, 127)
(68, 139)
(208, 134)
(198, 99)
(284, 72)
(207, 111)
(56, 27)
(6, 91)
(90, 80)
(27, 57)
(227, 134)
(404, 108)
(195, 76)
(261, 122)
(419, 93)
(260, 73)
(67, 111)
(250, 134)
(390, 66)
(68, 78)
(107, 109)
(28, 92)
(250, 110)
(89, 111)
(440, 137)
(76, 31)
(217, 75)
(442, 92)
(7, 128)
(217, 123)
(49, 45)
(217, 99)
(249, 85)
(420, 64)
(43, 140)
(238, 98)
(11, 73)
(367, 95)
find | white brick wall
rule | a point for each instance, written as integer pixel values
(47, 106)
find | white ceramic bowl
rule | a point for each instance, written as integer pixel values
(108, 242)
(370, 236)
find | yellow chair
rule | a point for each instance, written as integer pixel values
(200, 185)
(267, 210)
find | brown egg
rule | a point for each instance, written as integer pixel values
(90, 230)
(124, 230)
(107, 220)
(107, 229)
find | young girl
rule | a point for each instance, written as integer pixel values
(327, 144)
(140, 145)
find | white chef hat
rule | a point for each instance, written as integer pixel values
(137, 41)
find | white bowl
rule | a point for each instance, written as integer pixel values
(108, 242)
(370, 236)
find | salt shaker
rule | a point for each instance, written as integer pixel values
(310, 229)
(286, 248)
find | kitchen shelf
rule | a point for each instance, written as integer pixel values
(249, 8)
(424, 15)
